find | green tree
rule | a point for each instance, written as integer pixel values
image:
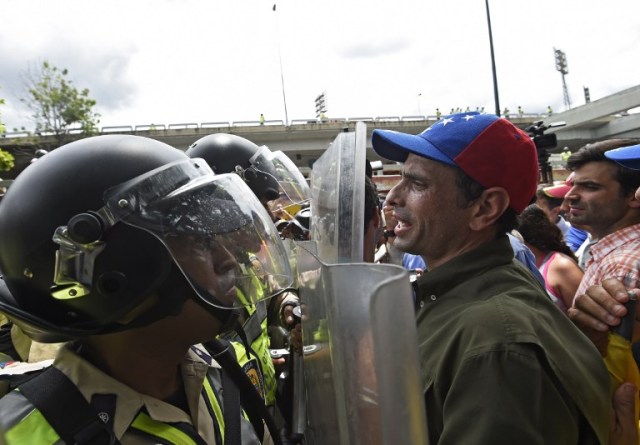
(6, 159)
(58, 107)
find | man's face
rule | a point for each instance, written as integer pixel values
(595, 199)
(209, 264)
(431, 221)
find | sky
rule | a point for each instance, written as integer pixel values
(195, 61)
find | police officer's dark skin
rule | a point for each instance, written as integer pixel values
(147, 359)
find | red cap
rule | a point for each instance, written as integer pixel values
(557, 191)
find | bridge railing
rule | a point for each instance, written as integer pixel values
(150, 127)
(256, 123)
(215, 124)
(117, 129)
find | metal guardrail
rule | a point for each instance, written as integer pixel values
(150, 127)
(360, 119)
(388, 119)
(16, 134)
(116, 129)
(215, 124)
(309, 121)
(413, 118)
(256, 123)
(182, 126)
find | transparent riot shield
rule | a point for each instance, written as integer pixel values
(337, 198)
(361, 363)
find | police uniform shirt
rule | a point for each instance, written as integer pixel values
(128, 403)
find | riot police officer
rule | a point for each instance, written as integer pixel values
(271, 182)
(271, 176)
(124, 247)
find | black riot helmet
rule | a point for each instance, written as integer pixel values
(229, 153)
(102, 225)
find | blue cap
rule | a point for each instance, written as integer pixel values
(626, 156)
(489, 149)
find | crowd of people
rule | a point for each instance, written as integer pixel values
(161, 276)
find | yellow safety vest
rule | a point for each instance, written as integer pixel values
(33, 428)
(255, 330)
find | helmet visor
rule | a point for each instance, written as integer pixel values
(293, 188)
(215, 229)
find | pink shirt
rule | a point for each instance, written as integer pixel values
(615, 256)
(554, 294)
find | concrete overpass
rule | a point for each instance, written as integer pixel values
(304, 140)
(601, 119)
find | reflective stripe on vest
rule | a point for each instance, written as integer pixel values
(255, 329)
(259, 345)
(33, 428)
(161, 430)
(174, 434)
(214, 405)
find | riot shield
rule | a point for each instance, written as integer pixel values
(361, 364)
(291, 178)
(294, 190)
(337, 198)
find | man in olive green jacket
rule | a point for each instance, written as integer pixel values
(500, 363)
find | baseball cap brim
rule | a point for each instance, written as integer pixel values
(626, 156)
(557, 191)
(396, 146)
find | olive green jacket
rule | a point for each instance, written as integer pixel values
(500, 363)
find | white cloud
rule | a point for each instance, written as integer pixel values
(171, 61)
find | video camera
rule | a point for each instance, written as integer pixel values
(543, 142)
(536, 131)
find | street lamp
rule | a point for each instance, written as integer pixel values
(493, 62)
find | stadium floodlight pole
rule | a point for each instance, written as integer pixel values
(284, 97)
(493, 61)
(563, 68)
